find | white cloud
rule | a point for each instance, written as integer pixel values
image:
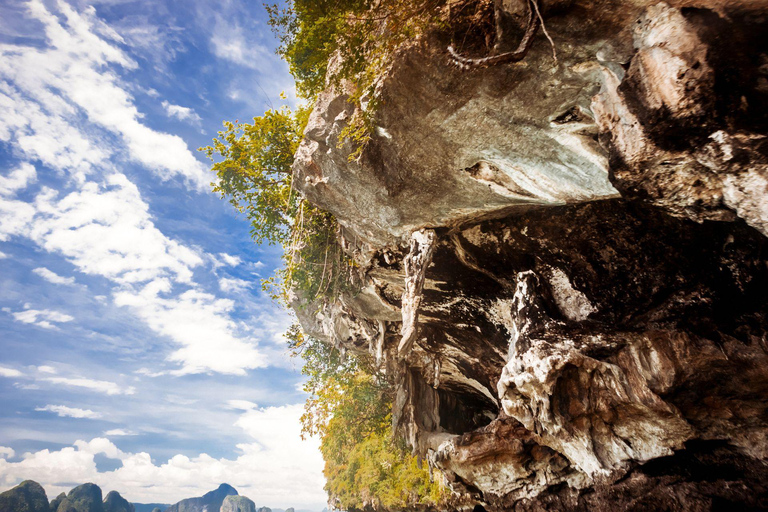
(3, 255)
(230, 260)
(149, 373)
(276, 468)
(63, 105)
(199, 322)
(242, 405)
(119, 432)
(53, 277)
(6, 452)
(229, 42)
(228, 285)
(69, 412)
(42, 317)
(46, 369)
(10, 372)
(79, 65)
(18, 179)
(181, 113)
(100, 386)
(107, 230)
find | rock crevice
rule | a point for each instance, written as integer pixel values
(563, 266)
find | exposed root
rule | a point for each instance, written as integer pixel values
(535, 20)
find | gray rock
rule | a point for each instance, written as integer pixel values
(238, 504)
(116, 503)
(28, 496)
(569, 349)
(210, 501)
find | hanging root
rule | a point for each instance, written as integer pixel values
(534, 21)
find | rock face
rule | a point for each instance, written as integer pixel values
(564, 265)
(209, 502)
(28, 496)
(55, 502)
(83, 498)
(116, 503)
(238, 504)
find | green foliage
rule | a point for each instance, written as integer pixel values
(358, 36)
(253, 165)
(350, 408)
(350, 398)
(254, 170)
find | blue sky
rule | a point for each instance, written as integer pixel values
(137, 349)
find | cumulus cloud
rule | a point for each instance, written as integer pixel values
(181, 113)
(69, 412)
(18, 179)
(6, 452)
(276, 468)
(53, 277)
(80, 63)
(42, 317)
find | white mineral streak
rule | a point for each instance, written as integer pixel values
(416, 263)
(571, 302)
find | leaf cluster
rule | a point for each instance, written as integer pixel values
(253, 162)
(358, 37)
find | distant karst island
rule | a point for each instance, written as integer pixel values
(29, 496)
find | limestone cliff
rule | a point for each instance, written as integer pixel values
(563, 263)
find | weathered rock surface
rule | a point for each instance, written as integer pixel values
(564, 265)
(238, 504)
(206, 503)
(83, 498)
(28, 496)
(116, 503)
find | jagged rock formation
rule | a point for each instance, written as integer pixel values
(116, 503)
(55, 502)
(208, 502)
(238, 504)
(83, 498)
(28, 496)
(564, 265)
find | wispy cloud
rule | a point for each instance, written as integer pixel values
(10, 372)
(241, 405)
(182, 113)
(229, 42)
(229, 285)
(100, 386)
(69, 412)
(199, 322)
(77, 64)
(119, 432)
(230, 260)
(44, 318)
(53, 277)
